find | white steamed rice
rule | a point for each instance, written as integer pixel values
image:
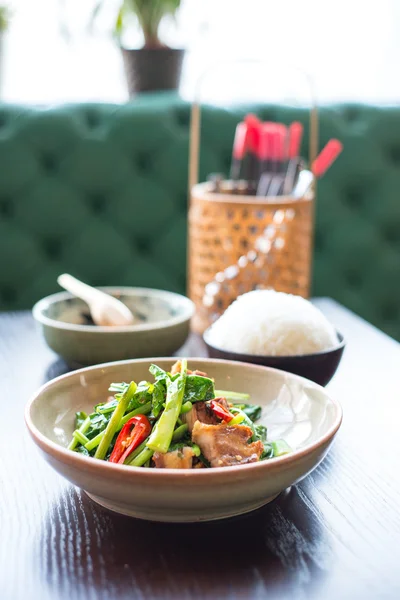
(269, 323)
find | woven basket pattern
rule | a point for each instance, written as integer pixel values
(237, 244)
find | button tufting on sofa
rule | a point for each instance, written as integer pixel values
(142, 162)
(7, 209)
(350, 113)
(393, 155)
(391, 233)
(49, 162)
(142, 244)
(319, 241)
(182, 117)
(92, 119)
(97, 203)
(390, 311)
(354, 197)
(353, 279)
(8, 294)
(52, 248)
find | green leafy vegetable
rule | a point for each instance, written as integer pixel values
(159, 395)
(115, 421)
(98, 423)
(158, 373)
(260, 433)
(164, 401)
(232, 396)
(82, 450)
(142, 410)
(161, 436)
(268, 451)
(253, 411)
(105, 409)
(80, 417)
(198, 389)
(159, 389)
(118, 387)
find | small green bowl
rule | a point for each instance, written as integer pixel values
(163, 325)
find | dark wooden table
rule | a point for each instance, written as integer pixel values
(334, 536)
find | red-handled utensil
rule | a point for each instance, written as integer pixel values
(279, 137)
(254, 128)
(292, 169)
(295, 137)
(326, 157)
(239, 150)
(265, 154)
(318, 168)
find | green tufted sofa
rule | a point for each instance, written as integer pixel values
(101, 191)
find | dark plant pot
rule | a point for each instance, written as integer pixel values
(152, 69)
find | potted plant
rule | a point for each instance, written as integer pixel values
(155, 66)
(4, 23)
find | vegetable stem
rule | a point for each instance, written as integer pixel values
(141, 458)
(82, 429)
(196, 450)
(81, 437)
(179, 432)
(280, 447)
(237, 419)
(141, 410)
(186, 407)
(161, 436)
(232, 396)
(114, 422)
(135, 453)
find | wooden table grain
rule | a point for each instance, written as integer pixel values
(334, 536)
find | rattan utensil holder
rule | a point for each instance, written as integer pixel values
(237, 243)
(226, 231)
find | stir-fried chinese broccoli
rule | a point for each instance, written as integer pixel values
(151, 423)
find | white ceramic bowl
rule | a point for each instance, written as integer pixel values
(162, 327)
(294, 408)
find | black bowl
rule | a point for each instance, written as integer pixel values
(319, 367)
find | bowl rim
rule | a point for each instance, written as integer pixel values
(339, 346)
(88, 464)
(43, 304)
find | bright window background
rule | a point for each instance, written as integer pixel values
(351, 48)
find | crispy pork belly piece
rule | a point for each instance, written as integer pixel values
(178, 459)
(226, 445)
(200, 412)
(176, 368)
(197, 372)
(203, 413)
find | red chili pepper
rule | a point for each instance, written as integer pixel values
(133, 433)
(221, 411)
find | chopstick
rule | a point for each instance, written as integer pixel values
(239, 150)
(326, 157)
(321, 164)
(266, 155)
(295, 137)
(253, 145)
(279, 136)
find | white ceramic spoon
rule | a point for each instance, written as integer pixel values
(105, 310)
